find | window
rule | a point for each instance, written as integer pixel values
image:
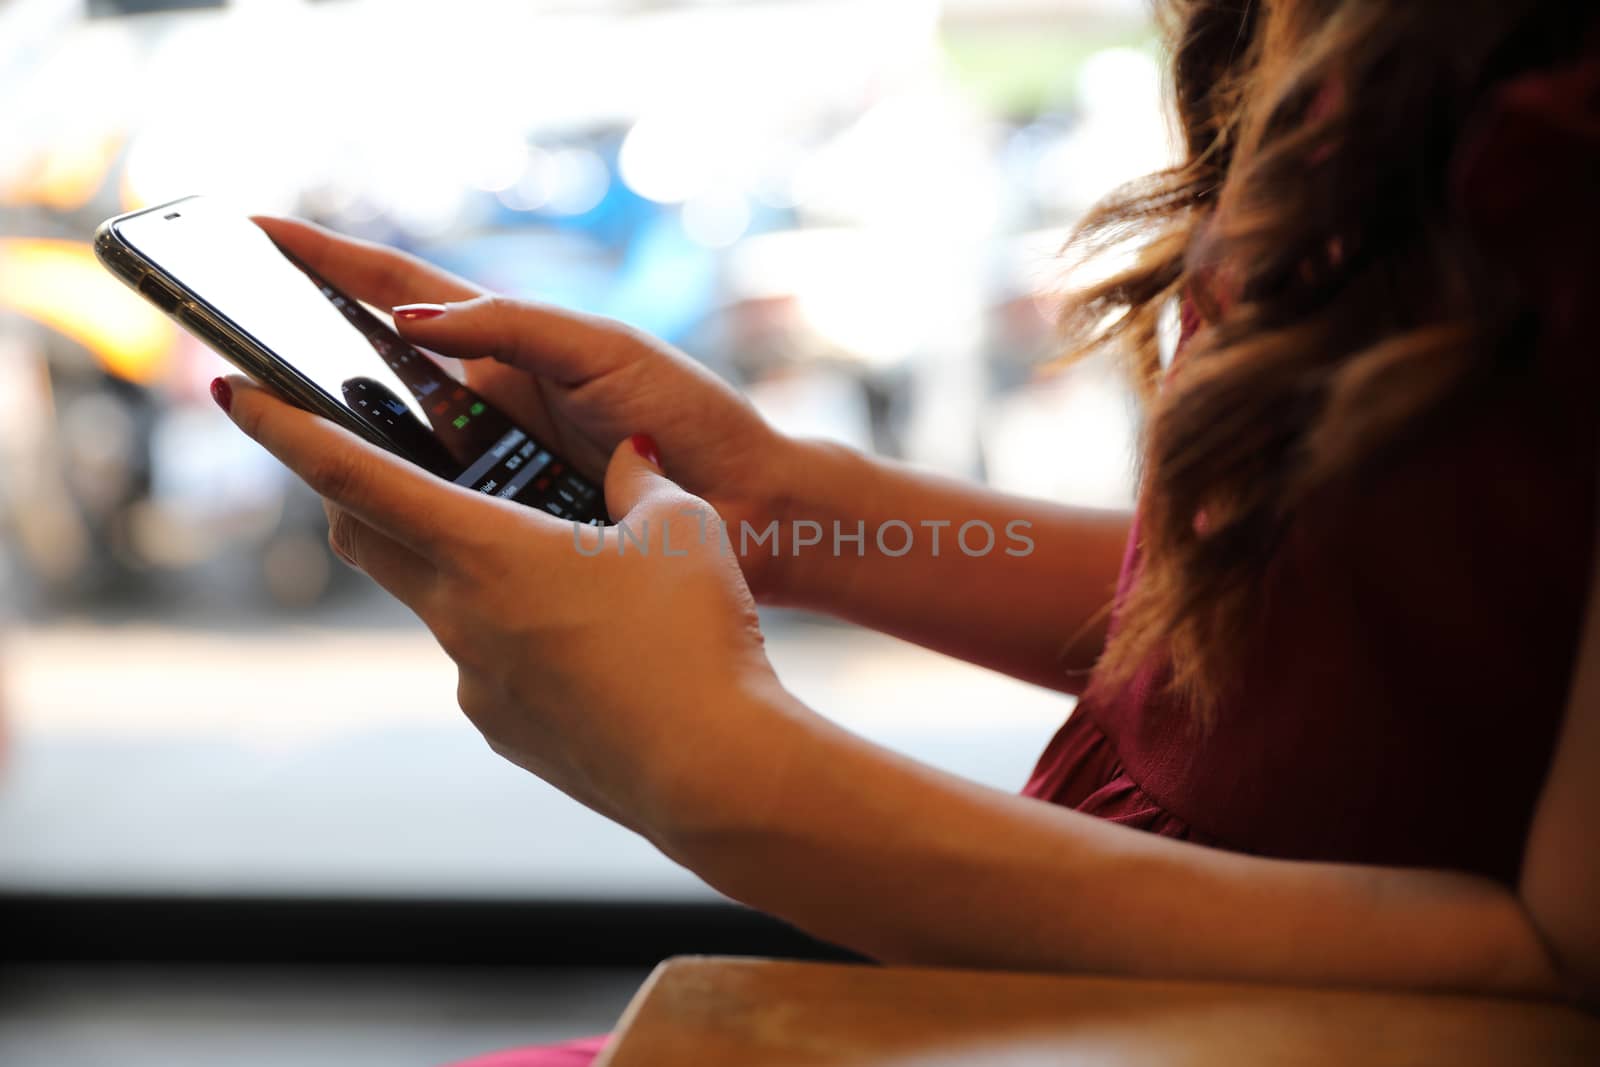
(852, 209)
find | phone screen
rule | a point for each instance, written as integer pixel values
(354, 357)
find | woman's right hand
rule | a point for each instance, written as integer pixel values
(578, 382)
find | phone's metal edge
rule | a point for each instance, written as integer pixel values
(215, 329)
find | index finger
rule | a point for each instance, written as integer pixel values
(368, 271)
(388, 493)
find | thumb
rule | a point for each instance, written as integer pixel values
(634, 477)
(565, 346)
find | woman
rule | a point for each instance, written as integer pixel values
(1344, 725)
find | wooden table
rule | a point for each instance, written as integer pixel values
(710, 1012)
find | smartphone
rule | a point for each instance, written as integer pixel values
(220, 277)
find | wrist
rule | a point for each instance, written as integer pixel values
(726, 787)
(808, 479)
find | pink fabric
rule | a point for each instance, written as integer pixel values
(1081, 770)
(579, 1052)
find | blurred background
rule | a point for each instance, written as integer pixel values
(239, 814)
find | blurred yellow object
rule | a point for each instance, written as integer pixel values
(61, 285)
(66, 176)
(129, 196)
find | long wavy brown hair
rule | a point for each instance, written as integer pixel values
(1344, 305)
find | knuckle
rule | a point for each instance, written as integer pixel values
(649, 508)
(611, 327)
(497, 305)
(671, 502)
(469, 698)
(458, 640)
(338, 548)
(626, 339)
(499, 316)
(687, 520)
(470, 552)
(395, 271)
(495, 335)
(342, 535)
(450, 637)
(333, 477)
(473, 567)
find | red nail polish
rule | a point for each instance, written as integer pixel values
(222, 393)
(645, 445)
(414, 312)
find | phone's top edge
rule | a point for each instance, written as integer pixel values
(127, 215)
(109, 246)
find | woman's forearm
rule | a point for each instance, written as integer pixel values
(1024, 588)
(885, 856)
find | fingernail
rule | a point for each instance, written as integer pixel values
(645, 445)
(414, 312)
(222, 393)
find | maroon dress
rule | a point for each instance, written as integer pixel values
(1419, 633)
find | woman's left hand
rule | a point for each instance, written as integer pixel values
(622, 677)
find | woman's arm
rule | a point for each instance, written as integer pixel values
(873, 851)
(1035, 605)
(866, 849)
(1560, 885)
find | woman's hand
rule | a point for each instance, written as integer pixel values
(580, 383)
(624, 677)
